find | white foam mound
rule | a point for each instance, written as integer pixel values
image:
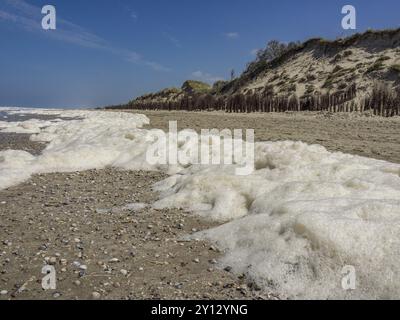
(292, 225)
(299, 219)
(97, 140)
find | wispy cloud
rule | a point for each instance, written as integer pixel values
(232, 35)
(29, 17)
(134, 15)
(172, 39)
(206, 77)
(254, 52)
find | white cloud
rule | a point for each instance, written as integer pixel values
(134, 15)
(197, 74)
(156, 66)
(206, 77)
(172, 39)
(254, 52)
(232, 35)
(28, 17)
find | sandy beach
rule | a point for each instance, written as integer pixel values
(358, 134)
(82, 224)
(101, 250)
(199, 158)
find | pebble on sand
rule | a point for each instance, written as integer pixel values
(228, 269)
(56, 295)
(96, 295)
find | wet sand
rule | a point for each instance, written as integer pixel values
(17, 141)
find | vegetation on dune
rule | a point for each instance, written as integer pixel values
(395, 68)
(194, 87)
(382, 101)
(218, 86)
(278, 89)
(376, 66)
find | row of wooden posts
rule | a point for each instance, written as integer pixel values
(381, 101)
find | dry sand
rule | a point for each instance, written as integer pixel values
(360, 134)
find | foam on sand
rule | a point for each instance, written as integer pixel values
(300, 218)
(292, 225)
(97, 140)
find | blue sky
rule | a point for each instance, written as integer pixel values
(109, 51)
